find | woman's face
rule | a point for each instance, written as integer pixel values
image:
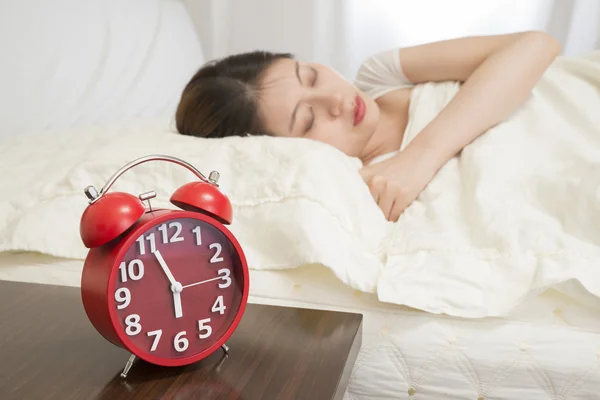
(313, 101)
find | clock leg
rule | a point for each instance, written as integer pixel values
(128, 366)
(223, 357)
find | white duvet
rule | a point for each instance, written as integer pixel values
(517, 212)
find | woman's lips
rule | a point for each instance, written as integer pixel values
(359, 110)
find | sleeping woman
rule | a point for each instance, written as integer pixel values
(262, 93)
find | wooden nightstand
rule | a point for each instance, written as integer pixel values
(49, 350)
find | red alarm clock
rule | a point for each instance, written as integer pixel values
(168, 285)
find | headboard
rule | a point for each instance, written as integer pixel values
(68, 63)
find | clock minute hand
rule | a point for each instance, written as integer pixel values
(164, 267)
(176, 287)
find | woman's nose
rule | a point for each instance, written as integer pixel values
(331, 101)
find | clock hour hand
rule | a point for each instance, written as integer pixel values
(177, 303)
(176, 287)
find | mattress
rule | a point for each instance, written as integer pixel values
(547, 348)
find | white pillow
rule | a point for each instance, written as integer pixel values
(75, 62)
(295, 201)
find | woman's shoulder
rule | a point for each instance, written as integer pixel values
(381, 73)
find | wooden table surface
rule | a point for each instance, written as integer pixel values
(49, 350)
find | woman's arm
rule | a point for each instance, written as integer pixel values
(498, 72)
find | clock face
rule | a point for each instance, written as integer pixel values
(178, 289)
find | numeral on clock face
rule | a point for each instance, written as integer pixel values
(123, 296)
(219, 306)
(133, 325)
(142, 246)
(157, 334)
(215, 258)
(196, 230)
(134, 270)
(225, 275)
(205, 330)
(180, 343)
(175, 234)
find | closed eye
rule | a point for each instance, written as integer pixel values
(314, 77)
(311, 120)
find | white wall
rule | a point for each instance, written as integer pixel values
(342, 33)
(71, 63)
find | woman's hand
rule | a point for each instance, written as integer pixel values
(396, 182)
(498, 72)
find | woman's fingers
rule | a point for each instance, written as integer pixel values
(389, 197)
(383, 194)
(377, 186)
(397, 209)
(386, 202)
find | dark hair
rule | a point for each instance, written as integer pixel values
(221, 98)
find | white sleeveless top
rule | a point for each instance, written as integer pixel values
(378, 75)
(381, 73)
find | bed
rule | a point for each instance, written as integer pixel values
(547, 346)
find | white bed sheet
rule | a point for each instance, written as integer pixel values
(548, 348)
(516, 213)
